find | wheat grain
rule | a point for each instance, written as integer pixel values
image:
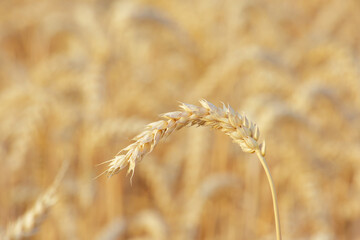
(238, 127)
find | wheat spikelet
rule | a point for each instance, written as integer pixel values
(28, 223)
(238, 127)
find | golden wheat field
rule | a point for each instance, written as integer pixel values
(80, 79)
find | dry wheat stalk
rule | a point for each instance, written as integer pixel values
(27, 224)
(225, 119)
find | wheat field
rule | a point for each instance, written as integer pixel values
(80, 79)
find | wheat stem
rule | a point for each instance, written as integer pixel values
(273, 193)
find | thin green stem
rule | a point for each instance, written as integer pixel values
(273, 193)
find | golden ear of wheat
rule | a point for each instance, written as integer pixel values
(28, 224)
(238, 127)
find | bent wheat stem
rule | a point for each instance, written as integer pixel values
(273, 193)
(238, 127)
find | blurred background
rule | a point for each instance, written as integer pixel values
(79, 79)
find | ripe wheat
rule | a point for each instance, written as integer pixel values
(28, 224)
(238, 127)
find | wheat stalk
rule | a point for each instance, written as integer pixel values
(238, 127)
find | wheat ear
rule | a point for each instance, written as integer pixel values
(27, 224)
(238, 127)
